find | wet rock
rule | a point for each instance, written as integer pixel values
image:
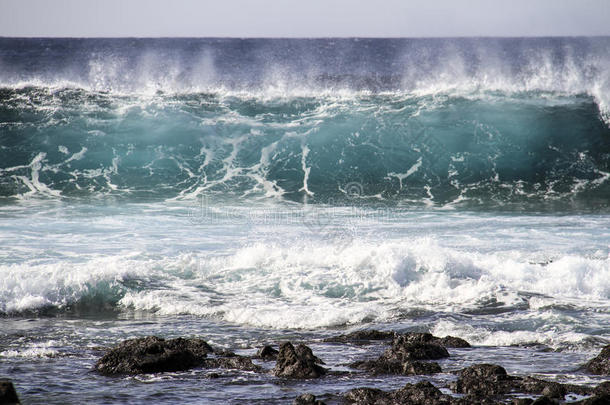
(367, 396)
(545, 388)
(235, 362)
(362, 336)
(600, 364)
(298, 362)
(383, 366)
(549, 388)
(153, 354)
(544, 400)
(603, 388)
(522, 401)
(8, 394)
(603, 399)
(406, 347)
(447, 341)
(267, 353)
(224, 353)
(452, 341)
(483, 380)
(307, 399)
(422, 393)
(366, 336)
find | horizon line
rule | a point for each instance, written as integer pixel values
(309, 37)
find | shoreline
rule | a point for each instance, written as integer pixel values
(388, 369)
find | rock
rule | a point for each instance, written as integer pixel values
(522, 401)
(234, 362)
(366, 396)
(544, 400)
(383, 366)
(298, 362)
(405, 348)
(8, 395)
(603, 399)
(422, 393)
(483, 380)
(452, 341)
(267, 353)
(600, 364)
(224, 353)
(541, 387)
(402, 357)
(447, 341)
(362, 336)
(603, 388)
(153, 354)
(365, 336)
(549, 388)
(307, 399)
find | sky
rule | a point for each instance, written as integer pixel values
(304, 18)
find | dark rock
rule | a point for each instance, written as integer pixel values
(224, 353)
(298, 362)
(522, 401)
(544, 400)
(366, 396)
(549, 388)
(307, 399)
(452, 341)
(234, 362)
(554, 391)
(8, 395)
(405, 348)
(383, 366)
(362, 336)
(401, 357)
(152, 354)
(413, 337)
(447, 341)
(603, 388)
(267, 353)
(483, 380)
(603, 399)
(601, 363)
(365, 336)
(213, 375)
(422, 393)
(541, 387)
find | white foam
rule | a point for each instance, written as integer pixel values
(554, 336)
(312, 284)
(322, 282)
(44, 349)
(30, 286)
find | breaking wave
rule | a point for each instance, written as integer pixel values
(425, 122)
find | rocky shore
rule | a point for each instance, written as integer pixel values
(406, 354)
(396, 354)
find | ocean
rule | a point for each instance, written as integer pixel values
(252, 191)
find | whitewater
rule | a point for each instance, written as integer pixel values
(257, 190)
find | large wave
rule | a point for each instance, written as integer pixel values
(459, 122)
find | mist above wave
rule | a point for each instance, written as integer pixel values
(307, 67)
